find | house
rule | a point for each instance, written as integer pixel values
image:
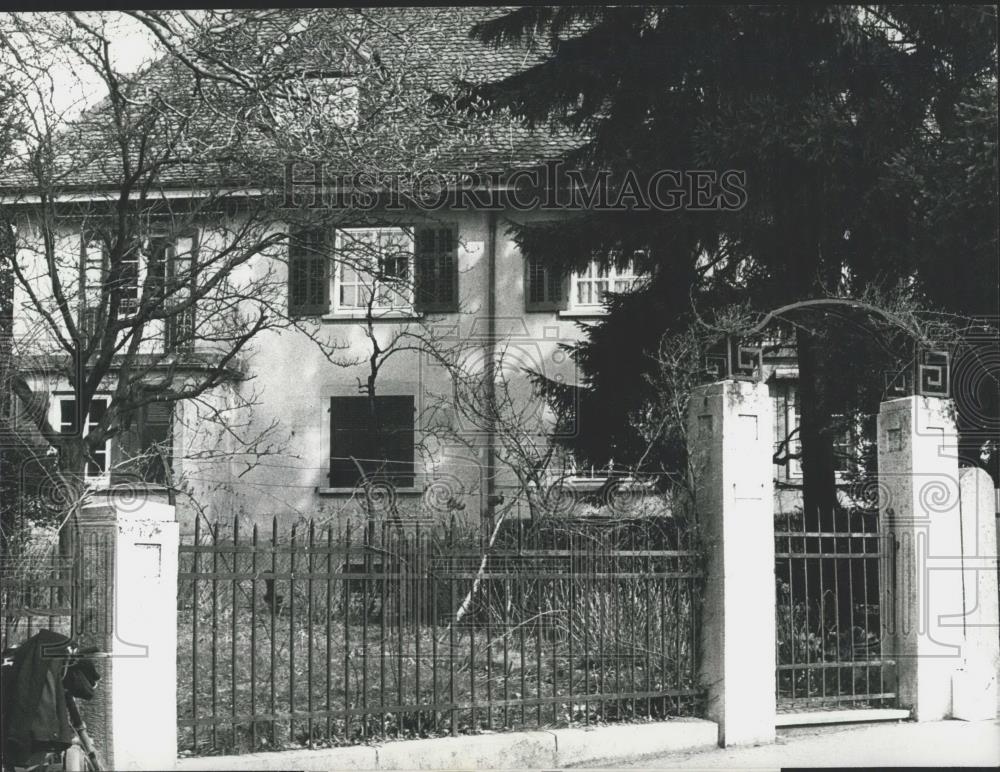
(332, 340)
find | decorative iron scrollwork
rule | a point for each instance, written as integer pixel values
(933, 377)
(742, 359)
(929, 376)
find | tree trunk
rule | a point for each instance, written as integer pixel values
(66, 491)
(819, 481)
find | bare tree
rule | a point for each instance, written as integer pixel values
(148, 229)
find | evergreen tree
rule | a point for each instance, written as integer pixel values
(820, 106)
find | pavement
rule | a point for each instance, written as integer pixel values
(937, 743)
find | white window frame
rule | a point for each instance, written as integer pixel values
(592, 278)
(795, 444)
(55, 419)
(365, 282)
(171, 258)
(851, 458)
(91, 291)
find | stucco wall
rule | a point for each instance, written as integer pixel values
(291, 381)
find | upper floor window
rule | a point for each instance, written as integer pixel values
(163, 265)
(93, 258)
(382, 269)
(590, 288)
(373, 269)
(548, 289)
(545, 287)
(172, 266)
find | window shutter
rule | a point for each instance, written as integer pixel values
(97, 465)
(435, 252)
(127, 283)
(387, 454)
(396, 439)
(545, 288)
(93, 265)
(155, 438)
(157, 266)
(308, 277)
(349, 436)
(182, 267)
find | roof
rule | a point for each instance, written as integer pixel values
(421, 54)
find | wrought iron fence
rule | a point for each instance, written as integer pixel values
(832, 578)
(328, 636)
(36, 590)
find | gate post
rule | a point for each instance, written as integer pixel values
(974, 690)
(921, 506)
(731, 443)
(127, 604)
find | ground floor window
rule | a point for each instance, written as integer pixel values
(146, 448)
(371, 437)
(98, 466)
(141, 451)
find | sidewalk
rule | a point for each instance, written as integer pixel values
(939, 743)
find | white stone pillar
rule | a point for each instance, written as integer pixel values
(974, 688)
(129, 545)
(731, 441)
(919, 505)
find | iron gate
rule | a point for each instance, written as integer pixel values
(832, 619)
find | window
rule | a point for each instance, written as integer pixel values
(373, 268)
(548, 289)
(377, 434)
(123, 280)
(843, 447)
(396, 269)
(172, 271)
(308, 283)
(436, 268)
(146, 447)
(165, 265)
(127, 283)
(786, 440)
(590, 288)
(545, 287)
(97, 466)
(93, 257)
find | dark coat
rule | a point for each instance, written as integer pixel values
(34, 704)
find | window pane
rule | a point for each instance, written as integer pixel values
(377, 262)
(157, 266)
(67, 416)
(98, 406)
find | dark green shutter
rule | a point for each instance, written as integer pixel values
(308, 276)
(435, 252)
